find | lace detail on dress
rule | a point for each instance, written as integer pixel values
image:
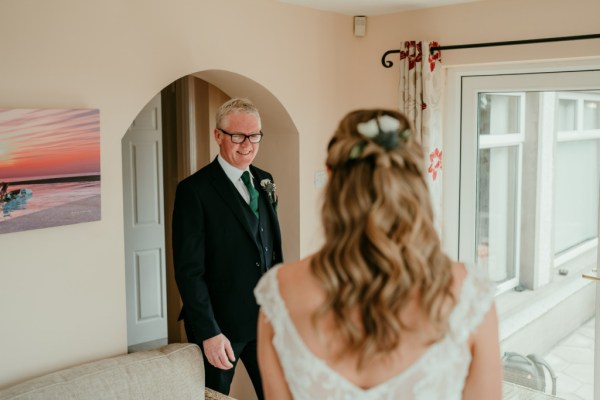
(438, 374)
(476, 298)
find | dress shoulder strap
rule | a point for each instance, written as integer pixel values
(267, 295)
(475, 299)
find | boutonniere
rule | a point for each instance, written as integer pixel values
(269, 187)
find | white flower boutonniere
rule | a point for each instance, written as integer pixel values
(270, 187)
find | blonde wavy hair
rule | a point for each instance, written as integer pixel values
(381, 247)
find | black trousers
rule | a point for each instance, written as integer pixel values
(220, 379)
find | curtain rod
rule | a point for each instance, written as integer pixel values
(388, 64)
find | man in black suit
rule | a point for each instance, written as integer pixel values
(225, 236)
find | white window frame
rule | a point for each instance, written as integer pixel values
(508, 140)
(454, 123)
(579, 133)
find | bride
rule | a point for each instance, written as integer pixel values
(379, 312)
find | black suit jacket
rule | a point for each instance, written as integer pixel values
(216, 255)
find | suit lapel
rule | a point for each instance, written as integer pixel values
(258, 177)
(229, 194)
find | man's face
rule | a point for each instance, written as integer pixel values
(239, 155)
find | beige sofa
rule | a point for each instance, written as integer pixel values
(172, 372)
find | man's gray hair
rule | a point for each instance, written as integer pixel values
(234, 105)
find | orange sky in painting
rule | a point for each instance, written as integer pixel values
(47, 142)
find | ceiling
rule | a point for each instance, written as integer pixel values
(372, 7)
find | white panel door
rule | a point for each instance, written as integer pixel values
(144, 227)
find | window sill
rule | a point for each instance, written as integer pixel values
(519, 309)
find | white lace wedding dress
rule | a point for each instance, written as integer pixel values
(439, 374)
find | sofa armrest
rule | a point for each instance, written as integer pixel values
(214, 395)
(175, 371)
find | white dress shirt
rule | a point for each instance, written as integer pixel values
(235, 176)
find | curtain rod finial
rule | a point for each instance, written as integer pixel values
(388, 63)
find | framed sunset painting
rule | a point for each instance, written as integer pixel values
(49, 167)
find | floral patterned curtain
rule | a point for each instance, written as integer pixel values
(421, 85)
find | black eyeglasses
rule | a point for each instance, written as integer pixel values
(238, 138)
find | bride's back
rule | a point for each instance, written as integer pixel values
(303, 296)
(303, 362)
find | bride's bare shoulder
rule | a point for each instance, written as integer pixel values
(296, 281)
(294, 270)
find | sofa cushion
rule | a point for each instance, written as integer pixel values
(175, 371)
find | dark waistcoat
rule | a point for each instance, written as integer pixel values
(263, 232)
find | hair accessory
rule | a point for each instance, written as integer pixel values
(369, 129)
(356, 150)
(387, 140)
(405, 134)
(388, 123)
(383, 130)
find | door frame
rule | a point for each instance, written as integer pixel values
(187, 127)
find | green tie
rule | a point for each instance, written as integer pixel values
(253, 192)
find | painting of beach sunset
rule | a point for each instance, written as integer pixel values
(49, 167)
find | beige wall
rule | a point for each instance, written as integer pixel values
(62, 298)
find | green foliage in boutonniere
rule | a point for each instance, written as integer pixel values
(270, 187)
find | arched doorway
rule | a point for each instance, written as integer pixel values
(187, 110)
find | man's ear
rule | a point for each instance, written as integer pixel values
(218, 136)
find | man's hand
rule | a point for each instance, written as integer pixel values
(218, 351)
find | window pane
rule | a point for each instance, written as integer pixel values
(498, 114)
(576, 193)
(496, 211)
(591, 115)
(567, 115)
